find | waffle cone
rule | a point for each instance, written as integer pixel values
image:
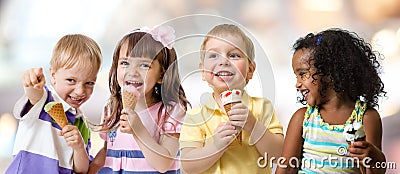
(128, 100)
(57, 113)
(228, 108)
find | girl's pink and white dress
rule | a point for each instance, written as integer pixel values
(123, 152)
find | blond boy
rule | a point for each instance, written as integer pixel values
(208, 143)
(41, 145)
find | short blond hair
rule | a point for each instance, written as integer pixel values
(76, 50)
(233, 30)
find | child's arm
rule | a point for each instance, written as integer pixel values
(292, 147)
(33, 81)
(266, 141)
(197, 160)
(372, 146)
(74, 140)
(99, 160)
(161, 154)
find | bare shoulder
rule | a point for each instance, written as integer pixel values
(371, 115)
(373, 127)
(298, 116)
(296, 122)
(372, 119)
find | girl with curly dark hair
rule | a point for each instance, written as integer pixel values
(338, 131)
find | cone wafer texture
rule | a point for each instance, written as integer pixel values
(56, 111)
(128, 99)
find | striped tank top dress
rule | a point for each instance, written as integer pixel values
(324, 147)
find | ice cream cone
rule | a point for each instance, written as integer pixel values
(56, 111)
(128, 100)
(227, 108)
(355, 132)
(228, 99)
(129, 97)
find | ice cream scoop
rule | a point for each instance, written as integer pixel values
(354, 132)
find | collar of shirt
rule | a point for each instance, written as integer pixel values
(65, 105)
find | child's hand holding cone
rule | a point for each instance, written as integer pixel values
(228, 99)
(355, 132)
(130, 95)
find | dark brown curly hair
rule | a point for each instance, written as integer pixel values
(349, 63)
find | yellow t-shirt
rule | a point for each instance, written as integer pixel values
(201, 122)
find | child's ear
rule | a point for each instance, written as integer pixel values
(252, 68)
(52, 76)
(203, 77)
(159, 81)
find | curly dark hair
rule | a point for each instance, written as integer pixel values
(347, 61)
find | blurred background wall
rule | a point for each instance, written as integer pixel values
(30, 29)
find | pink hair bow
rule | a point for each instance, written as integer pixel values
(163, 34)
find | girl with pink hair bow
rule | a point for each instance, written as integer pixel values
(143, 137)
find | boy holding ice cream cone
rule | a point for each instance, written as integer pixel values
(54, 138)
(219, 139)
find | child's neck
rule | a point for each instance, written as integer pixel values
(336, 110)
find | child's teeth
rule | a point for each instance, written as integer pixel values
(73, 98)
(224, 74)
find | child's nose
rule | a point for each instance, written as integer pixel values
(224, 61)
(132, 71)
(80, 89)
(298, 84)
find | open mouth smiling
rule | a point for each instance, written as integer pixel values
(136, 84)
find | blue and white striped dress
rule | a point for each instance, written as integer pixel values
(324, 147)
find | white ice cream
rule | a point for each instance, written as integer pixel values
(231, 96)
(353, 132)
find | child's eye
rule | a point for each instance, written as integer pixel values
(145, 65)
(212, 55)
(90, 83)
(70, 81)
(234, 55)
(304, 75)
(124, 63)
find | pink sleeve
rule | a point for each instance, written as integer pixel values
(174, 122)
